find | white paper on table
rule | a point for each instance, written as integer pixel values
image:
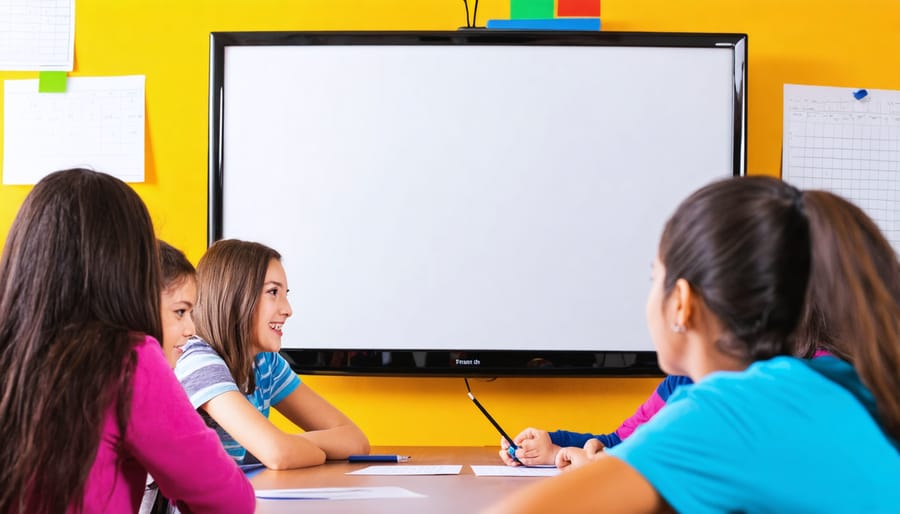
(408, 470)
(336, 493)
(37, 35)
(515, 471)
(98, 123)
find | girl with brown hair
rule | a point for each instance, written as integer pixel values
(81, 368)
(760, 431)
(233, 373)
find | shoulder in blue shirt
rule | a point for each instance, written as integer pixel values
(778, 437)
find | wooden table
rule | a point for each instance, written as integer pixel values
(461, 493)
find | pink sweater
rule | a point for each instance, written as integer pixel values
(168, 439)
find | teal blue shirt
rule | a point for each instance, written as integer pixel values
(778, 437)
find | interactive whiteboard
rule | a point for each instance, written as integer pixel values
(468, 202)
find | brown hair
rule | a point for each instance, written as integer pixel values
(79, 288)
(743, 245)
(856, 290)
(747, 246)
(174, 266)
(230, 277)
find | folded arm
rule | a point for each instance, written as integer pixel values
(325, 426)
(273, 447)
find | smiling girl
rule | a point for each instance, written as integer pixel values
(233, 373)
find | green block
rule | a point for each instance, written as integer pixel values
(531, 9)
(52, 82)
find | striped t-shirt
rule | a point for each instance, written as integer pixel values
(204, 376)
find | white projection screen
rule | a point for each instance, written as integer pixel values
(472, 202)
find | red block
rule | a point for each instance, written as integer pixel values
(578, 8)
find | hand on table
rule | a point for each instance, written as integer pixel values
(572, 457)
(535, 448)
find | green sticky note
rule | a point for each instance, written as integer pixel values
(531, 9)
(52, 82)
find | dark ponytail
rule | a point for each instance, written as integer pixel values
(855, 286)
(743, 246)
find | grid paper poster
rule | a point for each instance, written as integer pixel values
(847, 145)
(37, 35)
(98, 123)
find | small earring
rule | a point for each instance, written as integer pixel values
(678, 329)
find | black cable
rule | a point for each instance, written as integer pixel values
(466, 4)
(468, 389)
(474, 14)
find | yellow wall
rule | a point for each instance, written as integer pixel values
(853, 43)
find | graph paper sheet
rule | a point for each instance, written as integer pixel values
(97, 123)
(851, 147)
(37, 35)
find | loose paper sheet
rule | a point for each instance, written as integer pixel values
(336, 493)
(515, 471)
(98, 123)
(37, 35)
(851, 147)
(408, 470)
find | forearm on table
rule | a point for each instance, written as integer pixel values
(339, 442)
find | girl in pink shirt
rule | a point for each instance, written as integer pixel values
(82, 370)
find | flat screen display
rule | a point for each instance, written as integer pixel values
(473, 202)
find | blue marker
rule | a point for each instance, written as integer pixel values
(859, 94)
(378, 458)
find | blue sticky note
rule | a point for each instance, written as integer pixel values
(859, 94)
(546, 24)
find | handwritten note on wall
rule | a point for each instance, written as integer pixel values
(37, 34)
(836, 142)
(97, 123)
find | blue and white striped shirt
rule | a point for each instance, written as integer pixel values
(204, 376)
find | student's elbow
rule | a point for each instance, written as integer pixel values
(272, 461)
(355, 443)
(364, 446)
(360, 445)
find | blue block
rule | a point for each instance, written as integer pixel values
(547, 24)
